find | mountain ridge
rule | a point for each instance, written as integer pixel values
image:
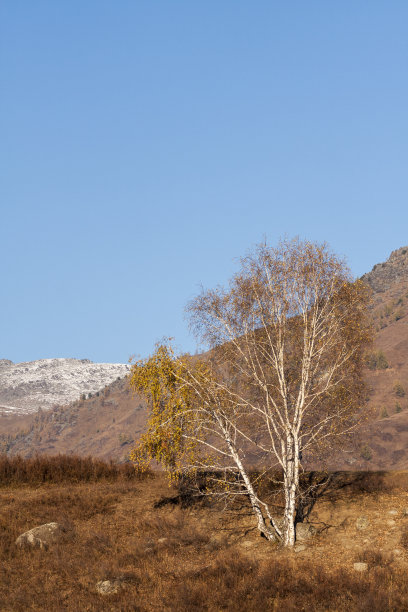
(108, 424)
(383, 275)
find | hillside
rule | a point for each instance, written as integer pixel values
(106, 424)
(385, 438)
(26, 387)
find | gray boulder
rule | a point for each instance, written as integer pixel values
(305, 531)
(299, 548)
(362, 523)
(42, 536)
(360, 567)
(108, 587)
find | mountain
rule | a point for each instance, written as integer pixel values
(104, 425)
(388, 275)
(108, 423)
(26, 387)
(384, 438)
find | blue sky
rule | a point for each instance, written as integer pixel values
(146, 145)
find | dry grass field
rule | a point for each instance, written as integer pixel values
(167, 552)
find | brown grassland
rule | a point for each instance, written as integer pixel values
(172, 552)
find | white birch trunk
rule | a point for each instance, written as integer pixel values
(256, 507)
(291, 483)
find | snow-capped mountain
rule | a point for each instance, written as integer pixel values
(27, 386)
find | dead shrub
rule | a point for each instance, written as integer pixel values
(44, 469)
(375, 558)
(234, 583)
(59, 505)
(98, 542)
(404, 538)
(175, 528)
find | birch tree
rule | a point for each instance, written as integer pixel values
(281, 379)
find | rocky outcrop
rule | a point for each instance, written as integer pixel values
(384, 275)
(4, 363)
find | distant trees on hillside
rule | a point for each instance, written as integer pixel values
(376, 360)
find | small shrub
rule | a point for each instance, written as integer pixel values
(384, 413)
(399, 390)
(404, 539)
(382, 363)
(376, 361)
(125, 438)
(374, 557)
(398, 407)
(366, 453)
(371, 361)
(399, 314)
(387, 310)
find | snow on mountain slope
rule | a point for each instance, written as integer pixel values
(27, 386)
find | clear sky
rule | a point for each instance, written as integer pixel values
(147, 144)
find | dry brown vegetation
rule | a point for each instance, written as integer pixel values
(173, 554)
(61, 469)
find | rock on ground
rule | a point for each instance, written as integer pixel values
(108, 587)
(42, 536)
(304, 531)
(299, 548)
(360, 567)
(362, 523)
